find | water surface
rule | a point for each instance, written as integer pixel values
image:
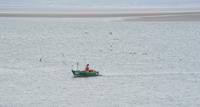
(143, 63)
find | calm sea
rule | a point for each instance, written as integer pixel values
(144, 64)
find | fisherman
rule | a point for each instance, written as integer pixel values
(87, 69)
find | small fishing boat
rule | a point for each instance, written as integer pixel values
(78, 73)
(85, 73)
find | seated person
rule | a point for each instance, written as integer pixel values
(87, 69)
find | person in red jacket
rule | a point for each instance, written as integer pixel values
(87, 68)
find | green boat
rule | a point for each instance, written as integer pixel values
(78, 73)
(84, 73)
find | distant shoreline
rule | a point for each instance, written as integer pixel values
(126, 15)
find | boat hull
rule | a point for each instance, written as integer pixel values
(78, 73)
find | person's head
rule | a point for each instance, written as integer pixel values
(87, 64)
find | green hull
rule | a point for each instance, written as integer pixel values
(79, 73)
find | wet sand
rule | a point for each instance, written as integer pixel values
(122, 15)
(185, 16)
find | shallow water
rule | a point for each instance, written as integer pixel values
(142, 63)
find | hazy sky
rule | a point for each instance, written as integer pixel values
(98, 3)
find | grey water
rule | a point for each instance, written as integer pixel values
(144, 64)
